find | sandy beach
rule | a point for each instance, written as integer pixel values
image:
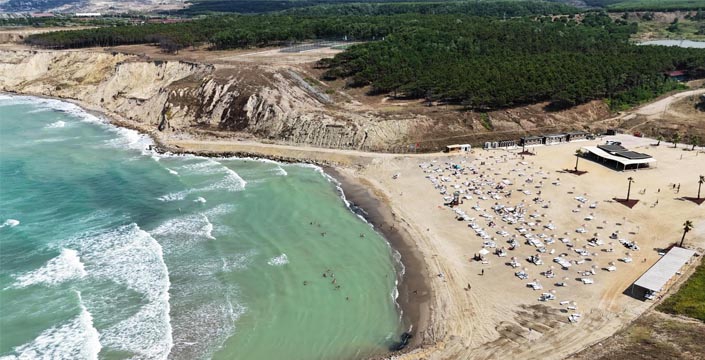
(498, 316)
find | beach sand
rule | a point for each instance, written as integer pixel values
(499, 317)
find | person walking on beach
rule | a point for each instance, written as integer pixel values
(482, 272)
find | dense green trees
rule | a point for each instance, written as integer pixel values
(379, 7)
(488, 64)
(484, 63)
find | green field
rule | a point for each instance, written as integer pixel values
(656, 5)
(690, 299)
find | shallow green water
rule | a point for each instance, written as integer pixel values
(110, 251)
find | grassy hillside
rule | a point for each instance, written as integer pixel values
(690, 299)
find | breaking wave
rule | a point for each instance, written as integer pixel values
(56, 125)
(10, 223)
(76, 339)
(278, 260)
(131, 257)
(66, 266)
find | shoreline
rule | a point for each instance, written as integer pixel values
(415, 292)
(414, 289)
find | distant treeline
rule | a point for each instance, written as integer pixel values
(489, 64)
(227, 32)
(501, 8)
(473, 7)
(199, 7)
(644, 5)
(656, 5)
(484, 63)
(341, 21)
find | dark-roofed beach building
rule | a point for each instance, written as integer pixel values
(531, 140)
(619, 157)
(576, 135)
(555, 139)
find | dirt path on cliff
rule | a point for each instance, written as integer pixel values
(654, 109)
(286, 152)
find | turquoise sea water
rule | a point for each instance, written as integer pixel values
(110, 251)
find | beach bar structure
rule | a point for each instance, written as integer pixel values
(458, 148)
(500, 144)
(619, 157)
(577, 135)
(661, 274)
(531, 140)
(555, 139)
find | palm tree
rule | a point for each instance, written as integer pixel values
(700, 184)
(676, 139)
(695, 141)
(578, 154)
(659, 138)
(629, 189)
(687, 226)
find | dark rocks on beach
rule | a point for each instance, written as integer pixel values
(404, 341)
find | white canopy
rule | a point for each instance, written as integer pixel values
(658, 275)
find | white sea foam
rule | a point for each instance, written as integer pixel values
(35, 111)
(10, 223)
(130, 139)
(278, 260)
(237, 262)
(180, 232)
(175, 196)
(172, 172)
(53, 139)
(130, 257)
(56, 125)
(66, 266)
(203, 330)
(230, 181)
(200, 200)
(279, 170)
(76, 339)
(208, 227)
(127, 138)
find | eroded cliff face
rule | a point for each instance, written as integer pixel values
(279, 103)
(180, 99)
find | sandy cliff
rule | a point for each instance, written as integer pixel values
(185, 100)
